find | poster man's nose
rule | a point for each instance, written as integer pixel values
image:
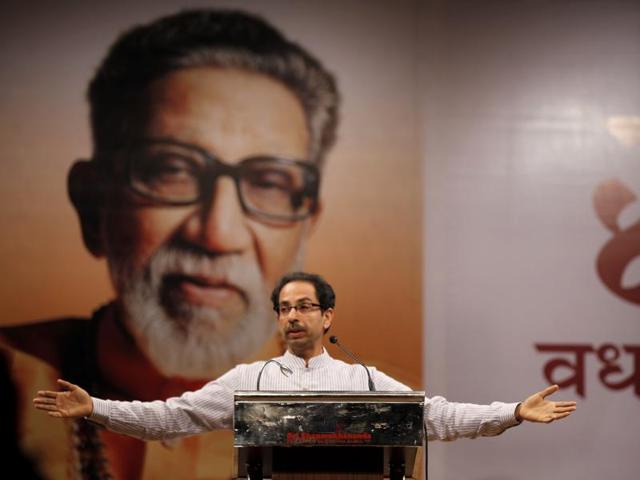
(220, 225)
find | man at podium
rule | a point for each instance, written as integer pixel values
(304, 305)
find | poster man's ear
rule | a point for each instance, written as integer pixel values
(313, 221)
(86, 190)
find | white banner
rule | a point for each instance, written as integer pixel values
(532, 229)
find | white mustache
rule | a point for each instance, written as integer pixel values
(178, 260)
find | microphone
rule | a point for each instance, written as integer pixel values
(283, 369)
(334, 339)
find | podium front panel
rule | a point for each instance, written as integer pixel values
(328, 418)
(326, 432)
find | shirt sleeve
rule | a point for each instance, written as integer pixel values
(446, 420)
(208, 408)
(385, 383)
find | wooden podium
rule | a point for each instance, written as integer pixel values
(327, 435)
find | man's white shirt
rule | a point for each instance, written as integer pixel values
(211, 407)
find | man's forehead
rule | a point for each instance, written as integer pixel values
(298, 290)
(232, 113)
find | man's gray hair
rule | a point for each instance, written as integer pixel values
(196, 38)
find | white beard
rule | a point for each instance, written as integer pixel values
(188, 341)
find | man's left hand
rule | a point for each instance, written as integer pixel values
(537, 409)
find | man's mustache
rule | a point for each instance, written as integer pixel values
(295, 327)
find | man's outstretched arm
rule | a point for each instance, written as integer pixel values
(451, 420)
(208, 408)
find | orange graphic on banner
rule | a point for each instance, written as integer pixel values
(609, 200)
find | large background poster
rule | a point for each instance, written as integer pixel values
(367, 242)
(532, 179)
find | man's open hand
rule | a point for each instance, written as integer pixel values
(537, 409)
(71, 403)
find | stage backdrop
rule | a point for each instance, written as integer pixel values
(367, 242)
(531, 121)
(513, 126)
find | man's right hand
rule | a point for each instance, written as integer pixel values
(72, 402)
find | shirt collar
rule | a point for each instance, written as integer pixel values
(318, 361)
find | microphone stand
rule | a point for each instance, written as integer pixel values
(283, 369)
(333, 339)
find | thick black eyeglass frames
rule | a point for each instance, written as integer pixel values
(271, 188)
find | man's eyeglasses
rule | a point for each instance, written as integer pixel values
(271, 188)
(301, 308)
